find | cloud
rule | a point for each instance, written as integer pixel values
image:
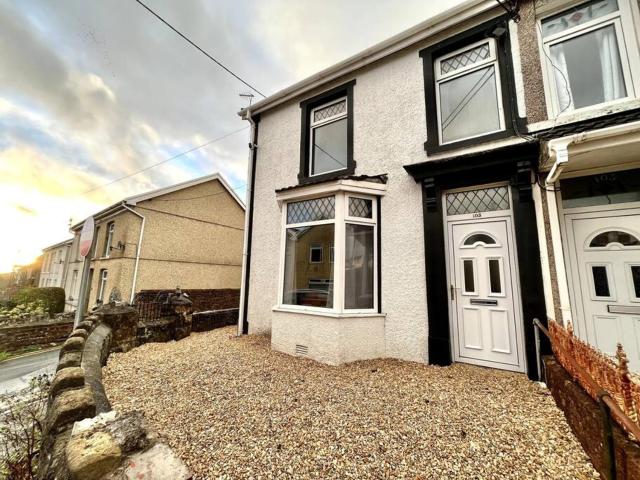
(93, 91)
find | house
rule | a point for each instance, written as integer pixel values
(54, 264)
(187, 235)
(466, 176)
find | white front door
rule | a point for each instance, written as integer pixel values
(606, 279)
(484, 294)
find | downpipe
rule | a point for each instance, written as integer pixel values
(138, 248)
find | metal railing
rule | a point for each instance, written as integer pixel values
(571, 352)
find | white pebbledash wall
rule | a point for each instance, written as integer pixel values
(389, 132)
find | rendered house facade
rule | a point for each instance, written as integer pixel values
(452, 167)
(54, 264)
(187, 235)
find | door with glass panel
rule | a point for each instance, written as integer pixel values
(483, 294)
(606, 273)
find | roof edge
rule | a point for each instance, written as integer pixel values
(400, 41)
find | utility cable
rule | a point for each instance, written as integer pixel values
(201, 50)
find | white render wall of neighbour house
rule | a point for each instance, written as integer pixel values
(389, 132)
(54, 263)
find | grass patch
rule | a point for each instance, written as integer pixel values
(21, 351)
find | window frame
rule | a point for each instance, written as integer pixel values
(104, 275)
(623, 23)
(307, 107)
(314, 125)
(439, 79)
(505, 76)
(312, 247)
(106, 253)
(340, 220)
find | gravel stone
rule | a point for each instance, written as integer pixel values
(233, 408)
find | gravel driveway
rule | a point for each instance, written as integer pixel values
(233, 408)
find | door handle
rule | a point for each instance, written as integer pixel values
(452, 290)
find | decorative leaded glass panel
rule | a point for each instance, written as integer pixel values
(468, 57)
(360, 207)
(474, 201)
(311, 210)
(330, 111)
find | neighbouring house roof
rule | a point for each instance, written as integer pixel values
(59, 244)
(596, 123)
(135, 199)
(361, 178)
(407, 38)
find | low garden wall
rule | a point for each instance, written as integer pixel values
(203, 321)
(203, 299)
(38, 333)
(589, 422)
(83, 438)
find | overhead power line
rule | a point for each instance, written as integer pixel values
(201, 50)
(149, 167)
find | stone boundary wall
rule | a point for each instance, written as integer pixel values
(203, 299)
(38, 333)
(204, 321)
(83, 438)
(586, 419)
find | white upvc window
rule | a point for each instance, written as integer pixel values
(109, 239)
(344, 224)
(329, 137)
(103, 284)
(589, 55)
(468, 88)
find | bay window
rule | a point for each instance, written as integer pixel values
(345, 225)
(586, 58)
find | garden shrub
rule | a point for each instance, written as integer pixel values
(51, 297)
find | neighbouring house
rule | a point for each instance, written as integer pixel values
(427, 198)
(54, 264)
(187, 235)
(27, 275)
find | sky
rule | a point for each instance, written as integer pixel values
(91, 91)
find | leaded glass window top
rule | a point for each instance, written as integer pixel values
(468, 57)
(360, 207)
(330, 111)
(477, 201)
(311, 210)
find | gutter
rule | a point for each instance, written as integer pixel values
(138, 248)
(558, 148)
(452, 17)
(243, 322)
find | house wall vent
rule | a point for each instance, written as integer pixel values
(302, 350)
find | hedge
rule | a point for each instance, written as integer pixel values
(52, 297)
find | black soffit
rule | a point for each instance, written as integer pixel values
(485, 159)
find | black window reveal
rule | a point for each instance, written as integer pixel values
(326, 146)
(466, 74)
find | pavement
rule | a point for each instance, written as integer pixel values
(15, 373)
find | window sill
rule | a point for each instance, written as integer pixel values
(320, 313)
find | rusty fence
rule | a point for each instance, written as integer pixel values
(605, 379)
(149, 311)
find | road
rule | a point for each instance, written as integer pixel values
(15, 373)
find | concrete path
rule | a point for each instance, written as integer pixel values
(16, 373)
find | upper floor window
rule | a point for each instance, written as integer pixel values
(326, 149)
(586, 59)
(328, 126)
(468, 89)
(109, 239)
